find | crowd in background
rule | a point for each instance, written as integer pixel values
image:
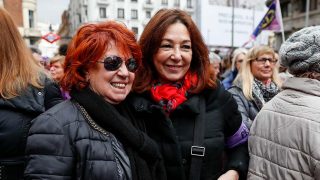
(160, 107)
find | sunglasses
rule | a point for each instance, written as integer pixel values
(112, 63)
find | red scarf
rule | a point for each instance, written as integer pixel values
(171, 95)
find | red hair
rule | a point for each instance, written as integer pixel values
(150, 41)
(90, 45)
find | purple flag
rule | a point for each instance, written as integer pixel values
(272, 20)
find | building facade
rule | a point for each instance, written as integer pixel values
(295, 16)
(134, 13)
(24, 13)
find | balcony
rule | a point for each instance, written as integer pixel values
(31, 32)
(103, 2)
(148, 5)
(297, 20)
(189, 8)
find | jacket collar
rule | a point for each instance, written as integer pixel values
(256, 100)
(306, 85)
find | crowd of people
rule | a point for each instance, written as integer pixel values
(110, 106)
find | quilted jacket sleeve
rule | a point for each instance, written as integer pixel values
(49, 151)
(53, 94)
(317, 171)
(243, 105)
(236, 134)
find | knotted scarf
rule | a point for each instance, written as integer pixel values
(264, 92)
(145, 159)
(171, 95)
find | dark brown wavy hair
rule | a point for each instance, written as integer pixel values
(90, 44)
(150, 41)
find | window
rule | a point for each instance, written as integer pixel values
(135, 30)
(134, 0)
(164, 2)
(148, 14)
(177, 2)
(103, 12)
(312, 5)
(303, 5)
(33, 41)
(31, 19)
(79, 16)
(120, 13)
(134, 14)
(148, 1)
(285, 9)
(85, 10)
(189, 4)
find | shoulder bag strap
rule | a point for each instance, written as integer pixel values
(198, 150)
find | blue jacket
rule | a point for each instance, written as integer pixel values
(227, 82)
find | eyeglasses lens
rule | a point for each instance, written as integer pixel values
(264, 60)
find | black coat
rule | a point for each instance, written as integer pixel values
(174, 134)
(63, 145)
(15, 117)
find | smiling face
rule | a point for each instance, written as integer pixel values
(113, 86)
(262, 70)
(173, 58)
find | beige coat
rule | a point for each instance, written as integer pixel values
(284, 140)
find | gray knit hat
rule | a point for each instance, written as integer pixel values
(301, 51)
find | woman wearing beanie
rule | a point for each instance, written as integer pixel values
(285, 136)
(256, 83)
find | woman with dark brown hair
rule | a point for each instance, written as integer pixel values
(88, 136)
(183, 107)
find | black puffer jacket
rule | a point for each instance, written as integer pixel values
(15, 117)
(174, 134)
(70, 148)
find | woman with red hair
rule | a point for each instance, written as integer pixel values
(88, 136)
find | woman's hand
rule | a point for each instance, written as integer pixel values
(229, 175)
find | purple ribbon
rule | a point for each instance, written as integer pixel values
(239, 137)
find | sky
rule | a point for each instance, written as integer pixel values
(50, 11)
